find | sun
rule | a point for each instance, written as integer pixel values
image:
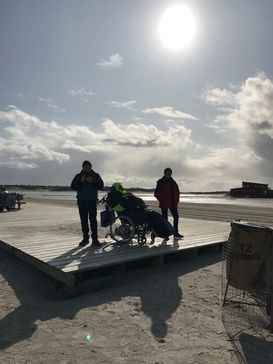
(177, 27)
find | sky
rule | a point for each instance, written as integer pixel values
(94, 80)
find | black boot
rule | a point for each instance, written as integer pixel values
(84, 242)
(96, 243)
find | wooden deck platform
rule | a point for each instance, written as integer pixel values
(47, 237)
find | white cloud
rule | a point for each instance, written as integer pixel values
(249, 122)
(252, 112)
(136, 153)
(146, 135)
(27, 139)
(218, 97)
(18, 165)
(246, 112)
(136, 118)
(49, 103)
(113, 61)
(81, 91)
(122, 105)
(169, 112)
(12, 107)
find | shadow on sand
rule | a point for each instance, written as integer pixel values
(34, 290)
(256, 350)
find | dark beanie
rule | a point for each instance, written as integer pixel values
(86, 163)
(168, 169)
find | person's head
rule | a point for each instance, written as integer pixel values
(86, 166)
(118, 187)
(168, 172)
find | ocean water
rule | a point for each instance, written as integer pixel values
(191, 198)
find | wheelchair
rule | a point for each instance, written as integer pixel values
(127, 225)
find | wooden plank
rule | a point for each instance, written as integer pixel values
(45, 252)
(61, 244)
(98, 260)
(60, 256)
(67, 279)
(34, 239)
(123, 254)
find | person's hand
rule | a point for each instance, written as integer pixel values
(89, 179)
(83, 178)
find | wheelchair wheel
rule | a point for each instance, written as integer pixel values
(122, 229)
(141, 240)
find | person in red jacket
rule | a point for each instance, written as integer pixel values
(167, 193)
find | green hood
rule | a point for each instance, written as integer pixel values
(118, 187)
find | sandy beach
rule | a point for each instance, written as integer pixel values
(202, 211)
(152, 315)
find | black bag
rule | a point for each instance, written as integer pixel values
(107, 217)
(158, 224)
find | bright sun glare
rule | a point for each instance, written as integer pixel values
(177, 27)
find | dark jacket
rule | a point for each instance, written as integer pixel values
(124, 201)
(167, 193)
(87, 191)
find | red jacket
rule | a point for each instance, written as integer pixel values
(167, 193)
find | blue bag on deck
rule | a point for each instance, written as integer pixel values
(107, 217)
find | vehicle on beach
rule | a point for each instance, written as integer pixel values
(10, 200)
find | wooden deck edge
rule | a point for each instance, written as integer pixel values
(153, 254)
(67, 278)
(4, 246)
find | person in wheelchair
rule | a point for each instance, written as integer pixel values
(131, 212)
(126, 203)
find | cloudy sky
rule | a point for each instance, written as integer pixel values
(132, 88)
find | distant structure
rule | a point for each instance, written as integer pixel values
(251, 189)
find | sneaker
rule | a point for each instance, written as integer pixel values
(96, 244)
(84, 242)
(177, 235)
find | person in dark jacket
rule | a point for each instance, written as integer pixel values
(120, 200)
(87, 183)
(167, 193)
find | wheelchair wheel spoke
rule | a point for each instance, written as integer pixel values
(122, 229)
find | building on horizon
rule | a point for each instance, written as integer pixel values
(252, 189)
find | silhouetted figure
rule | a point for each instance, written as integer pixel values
(167, 193)
(87, 183)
